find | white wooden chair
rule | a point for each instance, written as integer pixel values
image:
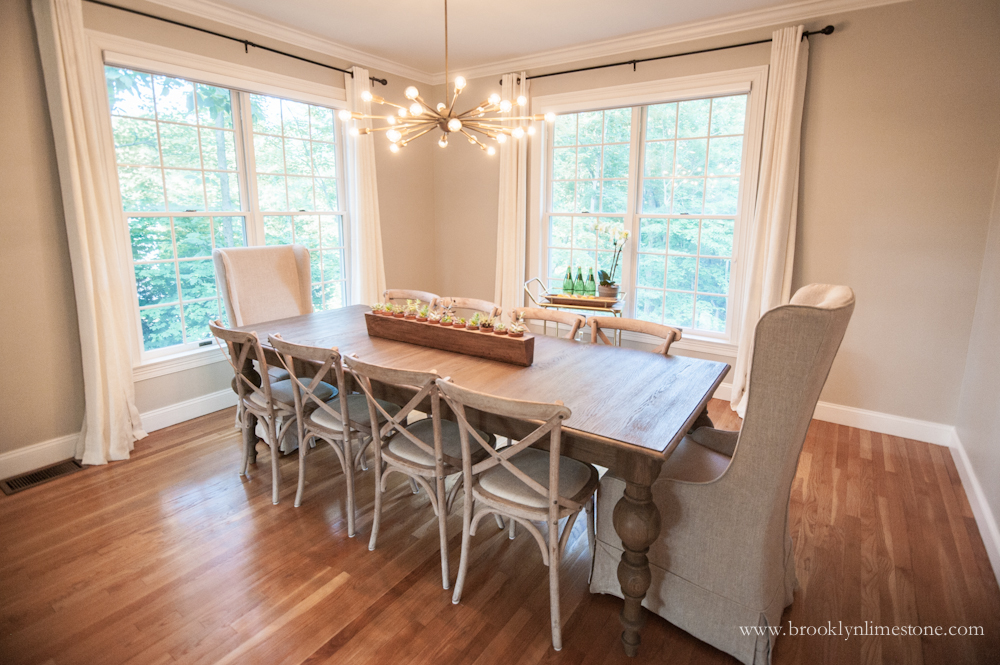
(402, 295)
(573, 321)
(668, 334)
(271, 402)
(521, 483)
(427, 451)
(469, 306)
(339, 422)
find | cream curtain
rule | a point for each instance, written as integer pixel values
(367, 266)
(100, 273)
(509, 283)
(772, 232)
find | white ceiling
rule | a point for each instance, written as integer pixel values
(410, 33)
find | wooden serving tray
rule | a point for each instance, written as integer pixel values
(574, 301)
(513, 350)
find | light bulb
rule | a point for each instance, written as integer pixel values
(505, 105)
(518, 132)
(522, 100)
(454, 125)
(344, 115)
(411, 93)
(393, 135)
(443, 141)
(391, 119)
(393, 147)
(550, 117)
(459, 82)
(531, 130)
(441, 106)
(491, 151)
(501, 138)
(416, 109)
(355, 131)
(494, 99)
(366, 96)
(402, 113)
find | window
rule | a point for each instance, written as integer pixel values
(673, 174)
(183, 151)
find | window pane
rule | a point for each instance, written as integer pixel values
(729, 115)
(130, 93)
(223, 190)
(692, 118)
(333, 261)
(618, 125)
(268, 154)
(321, 123)
(330, 229)
(559, 261)
(156, 283)
(589, 129)
(615, 161)
(266, 114)
(583, 260)
(141, 189)
(185, 190)
(713, 276)
(649, 305)
(333, 294)
(326, 194)
(691, 157)
(689, 195)
(197, 316)
(584, 232)
(725, 156)
(271, 193)
(588, 163)
(214, 106)
(659, 159)
(611, 225)
(717, 237)
(677, 310)
(197, 280)
(723, 196)
(179, 144)
(295, 118)
(298, 157)
(317, 296)
(277, 230)
(681, 272)
(193, 236)
(652, 235)
(315, 267)
(229, 232)
(613, 195)
(300, 194)
(563, 196)
(174, 100)
(565, 130)
(324, 159)
(135, 142)
(218, 149)
(650, 271)
(661, 121)
(307, 231)
(560, 231)
(161, 326)
(564, 163)
(656, 195)
(588, 196)
(683, 236)
(150, 238)
(711, 313)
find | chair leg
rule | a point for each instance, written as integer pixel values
(510, 536)
(303, 446)
(463, 562)
(591, 534)
(378, 505)
(443, 531)
(500, 524)
(245, 464)
(414, 486)
(272, 436)
(349, 477)
(554, 560)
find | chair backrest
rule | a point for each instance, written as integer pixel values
(295, 358)
(244, 347)
(794, 348)
(666, 333)
(263, 283)
(395, 295)
(552, 415)
(425, 386)
(463, 306)
(574, 321)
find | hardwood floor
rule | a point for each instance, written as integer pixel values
(172, 557)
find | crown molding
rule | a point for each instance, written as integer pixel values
(259, 25)
(714, 27)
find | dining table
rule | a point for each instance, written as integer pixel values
(630, 409)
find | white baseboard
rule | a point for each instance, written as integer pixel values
(38, 455)
(985, 519)
(188, 409)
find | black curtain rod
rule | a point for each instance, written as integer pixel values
(246, 42)
(825, 31)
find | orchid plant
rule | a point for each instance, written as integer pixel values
(619, 237)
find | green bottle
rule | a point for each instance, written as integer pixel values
(590, 288)
(579, 288)
(568, 281)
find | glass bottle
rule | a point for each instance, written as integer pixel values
(590, 288)
(579, 287)
(567, 286)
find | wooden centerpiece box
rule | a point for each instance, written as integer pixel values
(503, 348)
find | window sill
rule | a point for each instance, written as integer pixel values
(177, 362)
(695, 343)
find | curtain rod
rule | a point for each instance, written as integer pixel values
(246, 42)
(825, 31)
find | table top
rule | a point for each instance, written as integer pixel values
(638, 399)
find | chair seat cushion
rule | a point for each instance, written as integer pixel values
(451, 444)
(692, 462)
(357, 408)
(573, 477)
(281, 391)
(278, 374)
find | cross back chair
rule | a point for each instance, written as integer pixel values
(426, 451)
(574, 321)
(257, 398)
(668, 334)
(392, 295)
(522, 483)
(471, 305)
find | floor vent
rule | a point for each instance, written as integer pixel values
(28, 480)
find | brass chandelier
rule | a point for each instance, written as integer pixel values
(408, 123)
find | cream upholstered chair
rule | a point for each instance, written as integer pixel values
(426, 451)
(668, 334)
(573, 321)
(339, 422)
(260, 284)
(394, 295)
(724, 557)
(463, 306)
(523, 484)
(270, 402)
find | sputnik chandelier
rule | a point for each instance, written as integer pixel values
(408, 123)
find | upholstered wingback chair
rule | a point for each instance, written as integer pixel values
(724, 555)
(263, 283)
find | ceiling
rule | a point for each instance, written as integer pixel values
(411, 32)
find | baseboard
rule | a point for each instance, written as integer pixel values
(188, 409)
(873, 421)
(985, 519)
(38, 455)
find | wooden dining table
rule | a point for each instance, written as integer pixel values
(630, 409)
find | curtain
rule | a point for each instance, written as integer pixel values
(509, 284)
(100, 273)
(367, 266)
(772, 232)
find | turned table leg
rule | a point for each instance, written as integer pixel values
(637, 522)
(254, 377)
(703, 420)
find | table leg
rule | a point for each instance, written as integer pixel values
(637, 522)
(703, 420)
(250, 373)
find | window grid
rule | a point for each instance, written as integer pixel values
(325, 242)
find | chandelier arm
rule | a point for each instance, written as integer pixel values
(496, 128)
(454, 97)
(474, 139)
(418, 135)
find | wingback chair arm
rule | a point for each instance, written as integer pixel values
(720, 440)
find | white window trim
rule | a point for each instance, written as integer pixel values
(115, 50)
(751, 80)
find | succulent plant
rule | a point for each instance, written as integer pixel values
(499, 327)
(475, 320)
(423, 312)
(446, 319)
